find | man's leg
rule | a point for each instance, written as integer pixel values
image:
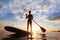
(27, 29)
(31, 28)
(27, 26)
(31, 25)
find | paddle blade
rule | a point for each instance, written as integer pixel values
(43, 29)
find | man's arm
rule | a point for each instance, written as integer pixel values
(26, 16)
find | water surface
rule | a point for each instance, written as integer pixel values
(35, 36)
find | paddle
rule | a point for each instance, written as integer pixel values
(42, 29)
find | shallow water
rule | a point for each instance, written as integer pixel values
(38, 36)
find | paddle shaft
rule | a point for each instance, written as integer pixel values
(43, 29)
(36, 23)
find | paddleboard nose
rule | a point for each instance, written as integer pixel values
(16, 31)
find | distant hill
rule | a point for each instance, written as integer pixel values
(55, 31)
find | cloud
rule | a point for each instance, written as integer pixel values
(9, 23)
(4, 9)
(54, 17)
(28, 5)
(20, 25)
(20, 18)
(41, 8)
(44, 11)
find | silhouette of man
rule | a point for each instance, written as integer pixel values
(29, 22)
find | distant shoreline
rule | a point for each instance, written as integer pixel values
(55, 31)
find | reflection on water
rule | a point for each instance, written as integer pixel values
(29, 37)
(43, 37)
(35, 36)
(12, 37)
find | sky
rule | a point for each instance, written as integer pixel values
(45, 12)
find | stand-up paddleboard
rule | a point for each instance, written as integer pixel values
(17, 31)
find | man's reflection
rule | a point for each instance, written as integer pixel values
(43, 36)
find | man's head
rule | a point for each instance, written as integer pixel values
(29, 12)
